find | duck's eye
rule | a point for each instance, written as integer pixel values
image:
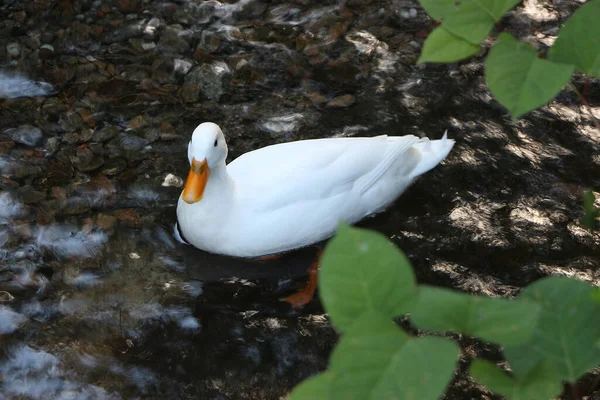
(216, 143)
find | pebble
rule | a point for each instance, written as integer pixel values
(106, 222)
(342, 101)
(86, 160)
(104, 134)
(114, 166)
(172, 180)
(71, 121)
(26, 134)
(128, 142)
(6, 146)
(29, 195)
(128, 217)
(13, 49)
(210, 79)
(181, 66)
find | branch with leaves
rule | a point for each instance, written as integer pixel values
(549, 333)
(517, 76)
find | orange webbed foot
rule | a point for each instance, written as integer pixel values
(305, 295)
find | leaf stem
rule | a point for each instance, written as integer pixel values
(584, 101)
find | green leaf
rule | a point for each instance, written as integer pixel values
(443, 47)
(596, 295)
(471, 20)
(445, 9)
(315, 387)
(363, 271)
(591, 213)
(567, 330)
(541, 384)
(519, 79)
(378, 360)
(579, 40)
(438, 9)
(502, 321)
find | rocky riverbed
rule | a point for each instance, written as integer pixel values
(99, 99)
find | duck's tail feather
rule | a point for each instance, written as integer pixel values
(432, 153)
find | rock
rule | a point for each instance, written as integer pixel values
(100, 192)
(25, 134)
(52, 146)
(211, 79)
(24, 170)
(172, 180)
(13, 49)
(316, 98)
(114, 166)
(342, 101)
(128, 217)
(71, 121)
(132, 30)
(29, 195)
(72, 206)
(86, 160)
(129, 6)
(105, 134)
(106, 222)
(181, 66)
(6, 183)
(6, 146)
(190, 92)
(128, 142)
(58, 173)
(59, 192)
(6, 297)
(10, 320)
(46, 51)
(173, 41)
(138, 122)
(53, 106)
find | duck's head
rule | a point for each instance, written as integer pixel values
(207, 150)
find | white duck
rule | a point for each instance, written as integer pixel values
(286, 196)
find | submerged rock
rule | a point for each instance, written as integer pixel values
(26, 134)
(211, 79)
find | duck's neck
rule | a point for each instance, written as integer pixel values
(220, 184)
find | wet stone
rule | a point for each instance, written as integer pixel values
(6, 146)
(128, 217)
(59, 192)
(106, 222)
(128, 142)
(342, 101)
(86, 160)
(134, 29)
(52, 146)
(104, 134)
(211, 79)
(72, 206)
(53, 106)
(99, 191)
(13, 49)
(29, 195)
(114, 166)
(23, 170)
(26, 134)
(71, 121)
(7, 183)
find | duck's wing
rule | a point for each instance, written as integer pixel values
(280, 175)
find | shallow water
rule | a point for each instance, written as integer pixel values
(98, 300)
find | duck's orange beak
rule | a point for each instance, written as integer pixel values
(196, 181)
